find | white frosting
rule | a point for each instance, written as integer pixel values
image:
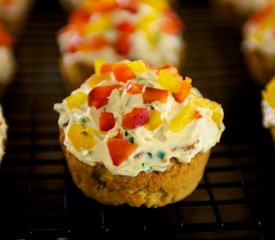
(7, 65)
(268, 114)
(167, 48)
(260, 36)
(155, 147)
(3, 134)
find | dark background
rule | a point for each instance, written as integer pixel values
(38, 199)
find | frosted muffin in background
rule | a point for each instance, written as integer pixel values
(112, 31)
(236, 12)
(13, 14)
(3, 134)
(268, 107)
(258, 44)
(7, 59)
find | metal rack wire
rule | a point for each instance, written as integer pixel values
(38, 198)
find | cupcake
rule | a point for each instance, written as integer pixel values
(3, 134)
(137, 135)
(13, 14)
(132, 30)
(7, 61)
(259, 44)
(237, 11)
(268, 107)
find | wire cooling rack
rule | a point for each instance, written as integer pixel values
(38, 198)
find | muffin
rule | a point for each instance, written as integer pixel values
(3, 134)
(236, 12)
(13, 14)
(135, 30)
(268, 107)
(7, 60)
(70, 5)
(137, 135)
(259, 44)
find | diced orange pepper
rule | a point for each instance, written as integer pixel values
(122, 72)
(106, 121)
(125, 26)
(137, 118)
(98, 96)
(120, 150)
(5, 38)
(80, 16)
(154, 94)
(184, 90)
(134, 88)
(107, 67)
(122, 44)
(171, 23)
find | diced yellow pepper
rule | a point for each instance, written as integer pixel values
(81, 137)
(98, 64)
(154, 121)
(76, 99)
(101, 24)
(185, 116)
(137, 66)
(159, 4)
(269, 93)
(97, 78)
(168, 80)
(215, 107)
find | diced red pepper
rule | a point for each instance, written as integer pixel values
(122, 44)
(123, 72)
(171, 23)
(120, 150)
(106, 121)
(134, 88)
(138, 117)
(125, 26)
(154, 94)
(107, 67)
(95, 43)
(80, 16)
(5, 38)
(185, 87)
(98, 96)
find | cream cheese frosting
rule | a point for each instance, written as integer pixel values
(3, 134)
(147, 33)
(258, 32)
(176, 127)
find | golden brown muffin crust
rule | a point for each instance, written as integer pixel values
(153, 189)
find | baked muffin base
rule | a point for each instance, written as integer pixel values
(261, 66)
(153, 189)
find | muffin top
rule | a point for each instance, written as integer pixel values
(132, 117)
(268, 104)
(3, 134)
(259, 31)
(7, 64)
(115, 30)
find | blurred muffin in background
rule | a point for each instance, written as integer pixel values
(236, 12)
(113, 31)
(70, 5)
(3, 134)
(13, 14)
(259, 44)
(7, 59)
(268, 107)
